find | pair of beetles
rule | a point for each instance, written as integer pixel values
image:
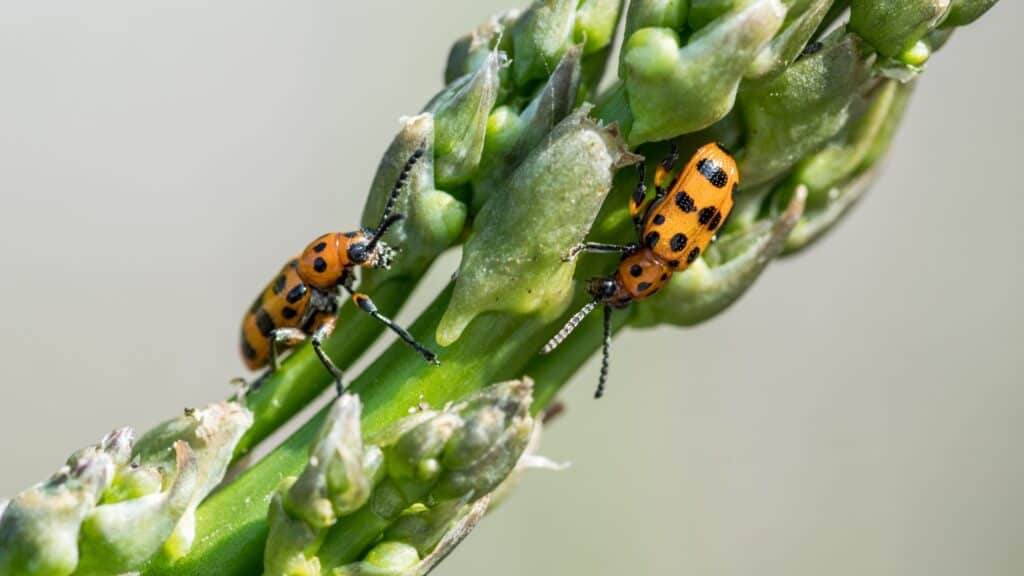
(673, 228)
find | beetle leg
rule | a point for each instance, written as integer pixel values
(325, 327)
(285, 337)
(598, 248)
(664, 169)
(366, 305)
(639, 195)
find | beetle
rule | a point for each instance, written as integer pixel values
(673, 229)
(302, 301)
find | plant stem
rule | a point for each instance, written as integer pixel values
(495, 347)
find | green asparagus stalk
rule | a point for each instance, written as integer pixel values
(519, 167)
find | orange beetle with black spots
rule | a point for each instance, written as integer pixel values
(674, 229)
(302, 301)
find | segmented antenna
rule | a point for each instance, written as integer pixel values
(605, 351)
(375, 239)
(397, 189)
(569, 327)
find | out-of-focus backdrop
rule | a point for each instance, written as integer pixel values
(859, 412)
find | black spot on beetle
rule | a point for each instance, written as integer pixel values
(659, 219)
(265, 323)
(651, 240)
(319, 265)
(694, 254)
(296, 293)
(247, 350)
(664, 277)
(320, 247)
(279, 284)
(256, 304)
(706, 214)
(643, 286)
(712, 172)
(678, 242)
(715, 222)
(636, 270)
(685, 202)
(350, 234)
(673, 264)
(293, 263)
(288, 312)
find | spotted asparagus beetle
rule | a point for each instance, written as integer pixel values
(302, 301)
(673, 229)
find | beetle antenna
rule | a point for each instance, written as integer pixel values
(385, 216)
(606, 349)
(569, 327)
(379, 232)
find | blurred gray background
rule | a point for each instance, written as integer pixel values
(859, 412)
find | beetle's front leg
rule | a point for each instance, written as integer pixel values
(366, 305)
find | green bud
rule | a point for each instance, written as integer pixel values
(513, 262)
(433, 219)
(595, 25)
(413, 457)
(334, 482)
(541, 36)
(797, 112)
(964, 12)
(475, 437)
(384, 559)
(482, 453)
(292, 543)
(114, 450)
(511, 136)
(674, 90)
(424, 527)
(133, 482)
(917, 54)
(785, 48)
(117, 538)
(471, 52)
(893, 26)
(388, 501)
(40, 528)
(460, 117)
(212, 433)
(702, 291)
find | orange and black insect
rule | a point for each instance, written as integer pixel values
(674, 228)
(302, 301)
